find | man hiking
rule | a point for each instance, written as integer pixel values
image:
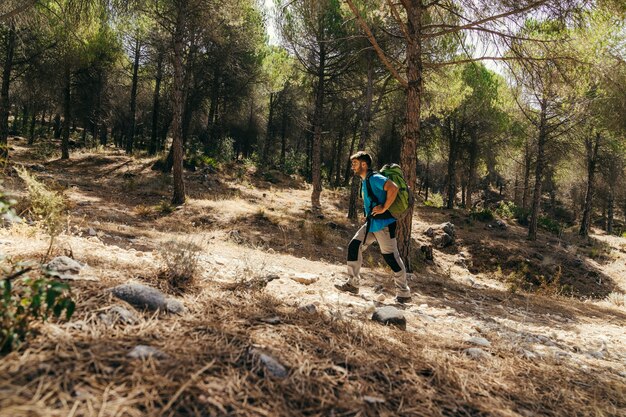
(380, 225)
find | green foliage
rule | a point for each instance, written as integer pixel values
(506, 209)
(549, 224)
(294, 162)
(165, 207)
(484, 215)
(435, 200)
(624, 235)
(521, 215)
(27, 297)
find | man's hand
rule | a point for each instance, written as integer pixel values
(378, 210)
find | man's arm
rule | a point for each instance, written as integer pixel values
(392, 191)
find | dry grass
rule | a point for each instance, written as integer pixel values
(82, 369)
(336, 367)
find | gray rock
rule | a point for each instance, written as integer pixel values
(145, 352)
(476, 353)
(64, 267)
(479, 341)
(595, 355)
(444, 240)
(142, 296)
(390, 315)
(271, 364)
(92, 232)
(309, 308)
(430, 232)
(304, 278)
(448, 228)
(528, 354)
(119, 314)
(37, 167)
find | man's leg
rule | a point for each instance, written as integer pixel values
(389, 249)
(355, 255)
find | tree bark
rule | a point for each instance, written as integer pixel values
(67, 113)
(211, 137)
(283, 133)
(541, 143)
(4, 94)
(366, 118)
(527, 167)
(269, 134)
(130, 140)
(408, 156)
(591, 146)
(31, 130)
(177, 107)
(154, 136)
(316, 148)
(610, 216)
(453, 141)
(471, 175)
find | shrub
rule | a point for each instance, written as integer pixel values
(165, 207)
(319, 231)
(506, 209)
(521, 215)
(484, 215)
(435, 200)
(549, 224)
(46, 206)
(27, 296)
(181, 260)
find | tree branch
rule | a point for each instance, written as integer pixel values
(498, 58)
(19, 9)
(488, 19)
(372, 39)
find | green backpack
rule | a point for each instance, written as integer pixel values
(404, 198)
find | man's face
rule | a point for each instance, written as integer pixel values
(358, 167)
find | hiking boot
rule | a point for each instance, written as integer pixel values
(403, 300)
(347, 287)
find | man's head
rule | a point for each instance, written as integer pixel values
(360, 163)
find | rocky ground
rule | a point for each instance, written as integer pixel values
(262, 330)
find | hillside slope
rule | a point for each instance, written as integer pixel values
(264, 332)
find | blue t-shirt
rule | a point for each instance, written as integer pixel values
(377, 182)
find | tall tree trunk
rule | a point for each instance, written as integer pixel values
(283, 134)
(4, 94)
(527, 166)
(348, 172)
(316, 148)
(67, 113)
(211, 137)
(177, 107)
(453, 139)
(31, 130)
(541, 143)
(130, 140)
(591, 146)
(408, 155)
(366, 118)
(610, 217)
(154, 141)
(473, 157)
(269, 134)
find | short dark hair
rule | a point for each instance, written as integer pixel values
(363, 157)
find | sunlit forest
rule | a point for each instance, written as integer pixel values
(178, 196)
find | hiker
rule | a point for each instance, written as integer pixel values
(379, 225)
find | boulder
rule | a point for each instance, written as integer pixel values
(390, 316)
(142, 296)
(119, 314)
(64, 267)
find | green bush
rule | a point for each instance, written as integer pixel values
(624, 235)
(506, 209)
(28, 296)
(484, 215)
(521, 215)
(435, 200)
(549, 224)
